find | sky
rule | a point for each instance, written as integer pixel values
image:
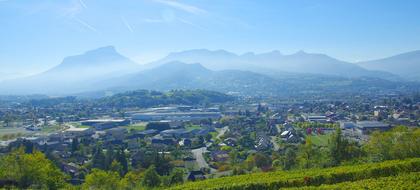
(37, 34)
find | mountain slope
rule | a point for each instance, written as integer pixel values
(74, 74)
(406, 65)
(299, 62)
(104, 71)
(178, 75)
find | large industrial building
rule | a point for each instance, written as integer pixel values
(175, 116)
(102, 124)
(367, 127)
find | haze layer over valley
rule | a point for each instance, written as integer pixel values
(106, 70)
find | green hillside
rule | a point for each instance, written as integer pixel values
(403, 181)
(312, 177)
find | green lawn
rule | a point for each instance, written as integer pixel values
(320, 140)
(213, 135)
(192, 127)
(137, 126)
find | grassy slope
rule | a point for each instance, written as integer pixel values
(403, 181)
(301, 178)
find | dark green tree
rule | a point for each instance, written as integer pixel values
(177, 176)
(289, 159)
(74, 144)
(122, 159)
(151, 177)
(98, 160)
(337, 147)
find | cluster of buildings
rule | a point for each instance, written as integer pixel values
(365, 127)
(176, 113)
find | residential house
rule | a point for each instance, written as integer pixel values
(196, 175)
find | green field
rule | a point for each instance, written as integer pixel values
(403, 181)
(320, 140)
(137, 126)
(192, 127)
(309, 177)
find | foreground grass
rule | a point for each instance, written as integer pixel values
(310, 177)
(403, 181)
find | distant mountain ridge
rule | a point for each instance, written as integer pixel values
(300, 62)
(271, 73)
(104, 60)
(74, 74)
(178, 75)
(406, 65)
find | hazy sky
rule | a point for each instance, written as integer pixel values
(37, 34)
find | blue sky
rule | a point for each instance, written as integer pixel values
(38, 34)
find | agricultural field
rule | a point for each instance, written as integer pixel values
(312, 177)
(403, 181)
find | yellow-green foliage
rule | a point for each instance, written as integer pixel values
(403, 181)
(401, 142)
(305, 125)
(31, 170)
(300, 178)
(99, 179)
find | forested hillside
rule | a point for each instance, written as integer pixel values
(145, 98)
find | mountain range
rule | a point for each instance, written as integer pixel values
(300, 62)
(104, 69)
(75, 74)
(406, 65)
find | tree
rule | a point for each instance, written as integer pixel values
(249, 162)
(99, 179)
(116, 167)
(162, 163)
(131, 180)
(234, 157)
(401, 142)
(308, 154)
(262, 161)
(177, 176)
(109, 158)
(122, 159)
(289, 159)
(74, 144)
(31, 170)
(337, 147)
(208, 137)
(98, 160)
(151, 177)
(246, 141)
